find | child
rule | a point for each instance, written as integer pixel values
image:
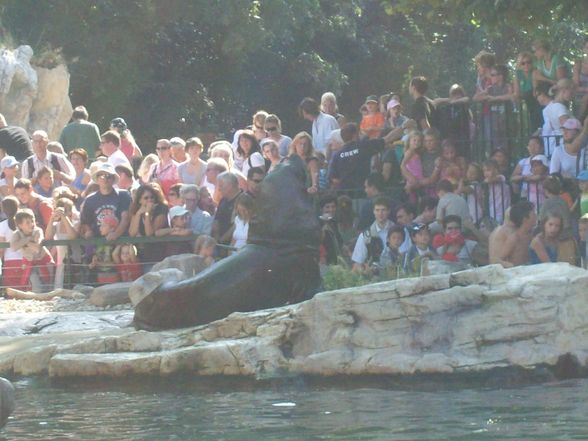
(583, 184)
(373, 121)
(421, 249)
(548, 246)
(497, 191)
(534, 182)
(392, 259)
(242, 213)
(180, 226)
(411, 166)
(62, 226)
(45, 183)
(37, 260)
(127, 265)
(331, 241)
(9, 167)
(523, 169)
(322, 178)
(555, 203)
(451, 166)
(205, 247)
(102, 260)
(471, 188)
(451, 245)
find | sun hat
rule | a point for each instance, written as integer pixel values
(541, 158)
(107, 168)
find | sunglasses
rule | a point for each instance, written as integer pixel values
(161, 148)
(103, 176)
(271, 129)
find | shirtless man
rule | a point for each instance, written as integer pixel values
(509, 243)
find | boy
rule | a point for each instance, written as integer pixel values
(102, 260)
(37, 260)
(45, 182)
(180, 226)
(373, 121)
(421, 249)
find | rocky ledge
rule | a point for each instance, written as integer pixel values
(469, 321)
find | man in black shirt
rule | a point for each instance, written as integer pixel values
(350, 166)
(423, 109)
(14, 141)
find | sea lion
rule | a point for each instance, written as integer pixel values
(278, 266)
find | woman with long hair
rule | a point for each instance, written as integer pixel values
(148, 212)
(302, 146)
(249, 151)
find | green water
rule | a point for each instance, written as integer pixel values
(297, 410)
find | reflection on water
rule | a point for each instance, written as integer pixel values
(297, 410)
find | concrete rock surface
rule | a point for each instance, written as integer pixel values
(469, 321)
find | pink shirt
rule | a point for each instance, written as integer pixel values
(165, 175)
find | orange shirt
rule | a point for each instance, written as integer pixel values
(375, 121)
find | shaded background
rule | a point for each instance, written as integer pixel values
(180, 67)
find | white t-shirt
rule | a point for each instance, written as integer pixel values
(255, 160)
(118, 158)
(322, 127)
(240, 233)
(7, 234)
(562, 162)
(551, 126)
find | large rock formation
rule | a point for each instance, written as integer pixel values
(33, 97)
(470, 321)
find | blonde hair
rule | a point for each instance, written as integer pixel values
(132, 251)
(202, 242)
(260, 117)
(292, 148)
(146, 164)
(409, 138)
(223, 150)
(328, 96)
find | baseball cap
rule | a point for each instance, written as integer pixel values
(7, 162)
(572, 124)
(371, 98)
(177, 211)
(391, 104)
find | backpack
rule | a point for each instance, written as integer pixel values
(52, 158)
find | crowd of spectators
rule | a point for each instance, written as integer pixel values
(396, 188)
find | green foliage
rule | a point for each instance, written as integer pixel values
(178, 67)
(340, 276)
